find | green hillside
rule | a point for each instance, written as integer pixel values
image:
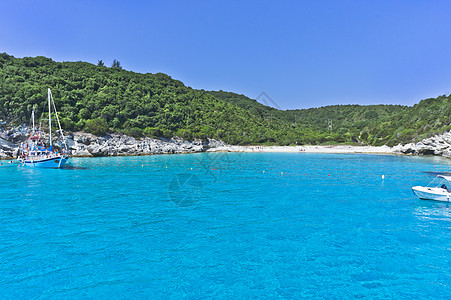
(370, 124)
(99, 99)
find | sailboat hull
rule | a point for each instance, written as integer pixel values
(52, 162)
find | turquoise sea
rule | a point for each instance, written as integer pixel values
(225, 225)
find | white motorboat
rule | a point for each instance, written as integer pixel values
(439, 189)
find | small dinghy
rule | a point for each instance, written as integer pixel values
(438, 189)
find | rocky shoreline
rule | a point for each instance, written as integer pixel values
(439, 145)
(88, 145)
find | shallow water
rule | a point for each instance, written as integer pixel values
(223, 225)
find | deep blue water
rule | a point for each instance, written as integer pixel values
(237, 225)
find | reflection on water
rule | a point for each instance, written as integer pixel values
(8, 163)
(433, 210)
(437, 173)
(71, 167)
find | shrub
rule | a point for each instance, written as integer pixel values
(152, 132)
(97, 126)
(134, 132)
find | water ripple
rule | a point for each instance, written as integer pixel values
(265, 226)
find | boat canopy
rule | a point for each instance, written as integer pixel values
(448, 178)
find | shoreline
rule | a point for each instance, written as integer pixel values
(83, 144)
(333, 149)
(309, 149)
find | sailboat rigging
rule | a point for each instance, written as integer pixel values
(34, 153)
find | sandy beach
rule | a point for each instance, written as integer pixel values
(308, 149)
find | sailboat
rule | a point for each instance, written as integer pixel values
(34, 152)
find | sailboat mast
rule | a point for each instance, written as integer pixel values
(32, 117)
(50, 118)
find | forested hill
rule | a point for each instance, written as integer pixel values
(99, 99)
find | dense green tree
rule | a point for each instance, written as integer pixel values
(98, 99)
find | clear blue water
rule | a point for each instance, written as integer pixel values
(225, 226)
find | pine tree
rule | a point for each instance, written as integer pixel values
(116, 64)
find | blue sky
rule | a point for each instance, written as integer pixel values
(301, 53)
